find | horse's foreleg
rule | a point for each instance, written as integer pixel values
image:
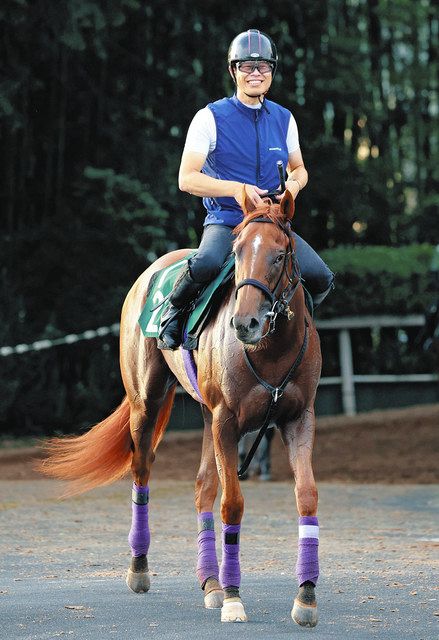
(224, 429)
(299, 439)
(206, 488)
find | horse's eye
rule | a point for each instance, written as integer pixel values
(279, 258)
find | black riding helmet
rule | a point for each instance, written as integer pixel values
(252, 45)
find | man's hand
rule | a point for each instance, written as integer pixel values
(253, 193)
(293, 188)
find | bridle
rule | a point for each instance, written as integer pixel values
(279, 305)
(279, 302)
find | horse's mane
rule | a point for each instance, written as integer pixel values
(266, 210)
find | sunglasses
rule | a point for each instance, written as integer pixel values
(262, 66)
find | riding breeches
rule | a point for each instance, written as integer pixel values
(216, 245)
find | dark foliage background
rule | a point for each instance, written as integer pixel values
(95, 100)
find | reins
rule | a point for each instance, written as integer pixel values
(276, 393)
(279, 305)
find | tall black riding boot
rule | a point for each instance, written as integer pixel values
(171, 326)
(318, 298)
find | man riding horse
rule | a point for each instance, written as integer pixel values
(231, 143)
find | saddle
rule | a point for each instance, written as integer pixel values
(160, 288)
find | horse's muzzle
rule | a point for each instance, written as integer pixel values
(248, 330)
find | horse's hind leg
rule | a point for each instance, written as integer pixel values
(148, 420)
(206, 488)
(299, 438)
(139, 536)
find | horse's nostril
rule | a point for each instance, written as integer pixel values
(243, 325)
(253, 323)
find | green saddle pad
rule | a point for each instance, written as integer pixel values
(161, 285)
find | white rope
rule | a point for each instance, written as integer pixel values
(71, 338)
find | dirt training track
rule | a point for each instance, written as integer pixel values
(63, 562)
(395, 446)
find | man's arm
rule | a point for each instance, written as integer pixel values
(191, 180)
(297, 174)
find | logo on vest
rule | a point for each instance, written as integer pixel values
(274, 149)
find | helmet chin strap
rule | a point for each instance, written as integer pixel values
(258, 97)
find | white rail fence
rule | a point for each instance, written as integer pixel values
(347, 378)
(71, 338)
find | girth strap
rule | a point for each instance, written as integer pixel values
(276, 393)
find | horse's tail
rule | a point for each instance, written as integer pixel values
(103, 454)
(163, 417)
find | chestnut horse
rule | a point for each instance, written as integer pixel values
(258, 358)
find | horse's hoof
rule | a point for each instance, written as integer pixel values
(304, 614)
(138, 582)
(214, 595)
(233, 610)
(214, 599)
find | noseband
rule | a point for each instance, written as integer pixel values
(280, 304)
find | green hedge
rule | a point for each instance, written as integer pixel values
(377, 280)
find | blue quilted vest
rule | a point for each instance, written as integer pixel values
(249, 142)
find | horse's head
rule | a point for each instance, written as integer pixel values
(266, 272)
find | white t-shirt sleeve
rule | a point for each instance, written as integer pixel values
(201, 135)
(292, 136)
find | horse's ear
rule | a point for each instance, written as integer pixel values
(287, 205)
(247, 204)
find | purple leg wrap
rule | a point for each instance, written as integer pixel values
(207, 565)
(230, 572)
(307, 567)
(139, 537)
